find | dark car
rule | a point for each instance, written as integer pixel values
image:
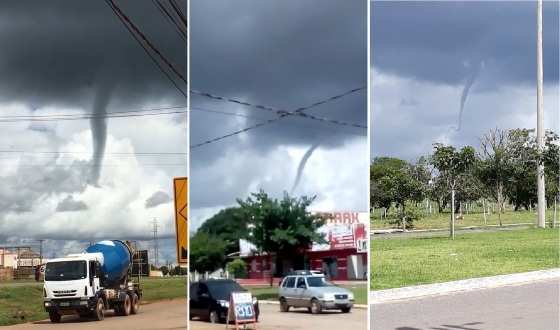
(209, 299)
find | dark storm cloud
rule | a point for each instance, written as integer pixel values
(70, 205)
(431, 57)
(284, 54)
(432, 40)
(58, 52)
(158, 198)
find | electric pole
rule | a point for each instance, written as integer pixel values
(155, 232)
(41, 251)
(541, 202)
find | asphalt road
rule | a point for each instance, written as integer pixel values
(170, 314)
(532, 306)
(272, 319)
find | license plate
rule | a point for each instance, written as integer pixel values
(64, 304)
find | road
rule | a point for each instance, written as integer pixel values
(272, 319)
(445, 232)
(532, 306)
(170, 314)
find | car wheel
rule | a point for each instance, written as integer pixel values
(345, 310)
(213, 317)
(284, 307)
(316, 307)
(55, 317)
(99, 312)
(135, 305)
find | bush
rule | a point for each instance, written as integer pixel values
(411, 214)
(237, 268)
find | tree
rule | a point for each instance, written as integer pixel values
(281, 227)
(452, 165)
(237, 268)
(229, 225)
(164, 270)
(380, 197)
(207, 252)
(497, 164)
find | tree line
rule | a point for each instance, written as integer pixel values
(501, 169)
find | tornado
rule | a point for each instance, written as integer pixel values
(468, 84)
(302, 164)
(98, 124)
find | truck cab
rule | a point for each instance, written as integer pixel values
(72, 284)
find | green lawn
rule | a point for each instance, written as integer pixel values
(441, 220)
(24, 303)
(268, 293)
(402, 262)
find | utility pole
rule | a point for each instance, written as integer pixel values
(40, 251)
(155, 232)
(541, 202)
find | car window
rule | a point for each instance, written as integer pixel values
(289, 282)
(222, 290)
(301, 282)
(317, 281)
(202, 288)
(193, 291)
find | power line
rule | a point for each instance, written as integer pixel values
(88, 116)
(124, 19)
(179, 12)
(282, 114)
(110, 112)
(87, 152)
(170, 19)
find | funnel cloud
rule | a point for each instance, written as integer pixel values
(468, 84)
(302, 164)
(98, 124)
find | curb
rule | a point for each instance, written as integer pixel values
(274, 302)
(426, 290)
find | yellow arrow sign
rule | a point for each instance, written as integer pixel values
(181, 186)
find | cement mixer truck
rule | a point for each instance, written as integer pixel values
(92, 282)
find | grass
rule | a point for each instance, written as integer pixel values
(441, 220)
(402, 262)
(24, 303)
(271, 293)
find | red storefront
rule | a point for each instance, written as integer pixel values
(344, 257)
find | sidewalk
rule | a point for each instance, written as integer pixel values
(419, 291)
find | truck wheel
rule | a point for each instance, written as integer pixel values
(126, 306)
(284, 307)
(99, 312)
(345, 310)
(55, 317)
(135, 304)
(316, 307)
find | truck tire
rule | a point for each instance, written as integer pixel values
(316, 307)
(345, 309)
(126, 306)
(99, 312)
(54, 317)
(135, 306)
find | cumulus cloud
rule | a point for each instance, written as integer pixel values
(69, 205)
(158, 198)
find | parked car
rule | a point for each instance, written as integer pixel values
(209, 299)
(315, 293)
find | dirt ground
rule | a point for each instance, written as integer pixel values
(169, 314)
(272, 319)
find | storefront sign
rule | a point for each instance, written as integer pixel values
(344, 230)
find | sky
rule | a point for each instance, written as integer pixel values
(285, 55)
(68, 59)
(424, 54)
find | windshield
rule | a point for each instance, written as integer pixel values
(65, 270)
(222, 290)
(316, 281)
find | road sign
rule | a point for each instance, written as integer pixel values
(180, 186)
(241, 310)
